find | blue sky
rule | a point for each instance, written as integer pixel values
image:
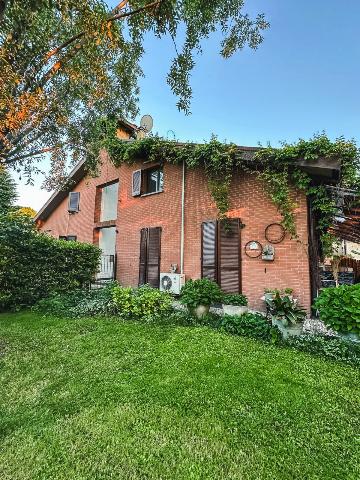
(303, 79)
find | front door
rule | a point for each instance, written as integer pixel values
(107, 244)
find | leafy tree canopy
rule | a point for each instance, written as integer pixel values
(8, 193)
(66, 64)
(25, 211)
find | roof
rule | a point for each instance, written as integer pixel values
(325, 169)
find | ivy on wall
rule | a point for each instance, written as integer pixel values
(277, 167)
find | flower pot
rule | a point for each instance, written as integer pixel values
(235, 309)
(200, 311)
(353, 337)
(287, 330)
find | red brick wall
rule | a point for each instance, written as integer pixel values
(249, 202)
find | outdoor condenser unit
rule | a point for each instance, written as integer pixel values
(171, 282)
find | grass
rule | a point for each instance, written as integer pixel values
(101, 399)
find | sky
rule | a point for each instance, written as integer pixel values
(303, 79)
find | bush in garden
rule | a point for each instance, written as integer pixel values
(142, 303)
(250, 325)
(235, 299)
(34, 265)
(79, 303)
(200, 292)
(339, 308)
(333, 348)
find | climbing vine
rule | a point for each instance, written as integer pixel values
(277, 167)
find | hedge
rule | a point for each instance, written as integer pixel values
(34, 265)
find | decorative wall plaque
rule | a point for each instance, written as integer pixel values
(275, 233)
(253, 249)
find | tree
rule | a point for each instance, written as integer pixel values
(66, 65)
(25, 211)
(8, 193)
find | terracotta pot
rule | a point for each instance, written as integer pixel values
(201, 310)
(235, 309)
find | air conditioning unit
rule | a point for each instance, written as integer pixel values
(171, 282)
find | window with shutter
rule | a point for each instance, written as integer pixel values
(229, 256)
(149, 261)
(143, 256)
(136, 183)
(74, 201)
(221, 254)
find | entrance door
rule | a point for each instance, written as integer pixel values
(107, 244)
(149, 261)
(221, 253)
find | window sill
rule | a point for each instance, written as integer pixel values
(105, 223)
(151, 193)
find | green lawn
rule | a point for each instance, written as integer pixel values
(100, 399)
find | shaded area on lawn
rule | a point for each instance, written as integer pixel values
(102, 398)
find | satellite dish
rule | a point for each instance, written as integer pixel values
(170, 135)
(146, 123)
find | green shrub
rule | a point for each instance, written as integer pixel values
(284, 308)
(250, 325)
(200, 292)
(339, 308)
(79, 303)
(235, 299)
(34, 265)
(143, 303)
(325, 346)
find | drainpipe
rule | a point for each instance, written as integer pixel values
(182, 219)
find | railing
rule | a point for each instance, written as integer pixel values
(107, 268)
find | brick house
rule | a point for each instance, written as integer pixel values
(153, 216)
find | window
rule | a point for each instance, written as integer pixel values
(109, 202)
(150, 180)
(74, 202)
(153, 180)
(69, 238)
(107, 240)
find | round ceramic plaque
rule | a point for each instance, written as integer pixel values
(275, 233)
(253, 249)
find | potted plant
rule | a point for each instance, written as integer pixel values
(235, 304)
(285, 313)
(198, 295)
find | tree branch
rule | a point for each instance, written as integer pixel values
(116, 16)
(8, 161)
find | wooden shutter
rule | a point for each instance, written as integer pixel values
(136, 183)
(74, 200)
(143, 256)
(229, 255)
(153, 256)
(221, 254)
(208, 251)
(149, 261)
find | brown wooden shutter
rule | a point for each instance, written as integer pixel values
(143, 256)
(208, 251)
(229, 255)
(136, 183)
(153, 256)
